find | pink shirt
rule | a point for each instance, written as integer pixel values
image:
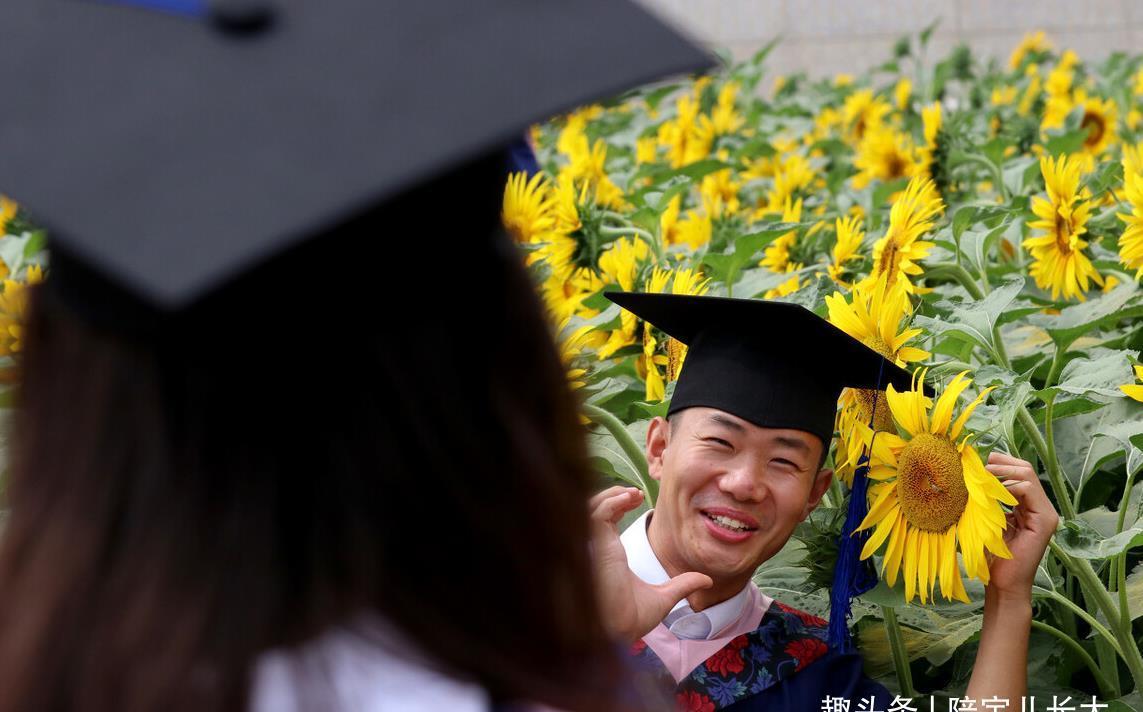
(681, 656)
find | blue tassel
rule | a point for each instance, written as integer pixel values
(852, 577)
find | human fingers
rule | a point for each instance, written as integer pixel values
(598, 497)
(611, 509)
(1003, 458)
(1020, 472)
(1034, 509)
(680, 587)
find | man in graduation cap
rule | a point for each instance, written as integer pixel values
(739, 460)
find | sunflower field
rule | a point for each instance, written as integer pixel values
(980, 223)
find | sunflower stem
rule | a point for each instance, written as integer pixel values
(1096, 626)
(630, 448)
(1053, 462)
(900, 654)
(1059, 487)
(620, 231)
(1095, 591)
(960, 274)
(1054, 371)
(997, 174)
(1105, 688)
(1124, 501)
(1121, 587)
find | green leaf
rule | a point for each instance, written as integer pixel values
(1099, 312)
(1101, 372)
(975, 319)
(1012, 392)
(1081, 540)
(607, 458)
(928, 32)
(1067, 142)
(962, 218)
(1128, 438)
(755, 282)
(37, 241)
(1134, 587)
(725, 268)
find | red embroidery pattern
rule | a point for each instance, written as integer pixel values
(694, 702)
(786, 641)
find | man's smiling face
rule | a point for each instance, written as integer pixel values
(731, 492)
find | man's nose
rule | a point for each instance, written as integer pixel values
(744, 483)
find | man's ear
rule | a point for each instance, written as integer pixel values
(821, 484)
(658, 437)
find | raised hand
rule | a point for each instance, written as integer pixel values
(631, 607)
(1030, 526)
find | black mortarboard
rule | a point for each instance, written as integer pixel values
(775, 364)
(171, 145)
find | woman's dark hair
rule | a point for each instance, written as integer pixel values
(378, 420)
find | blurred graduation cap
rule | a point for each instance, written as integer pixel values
(171, 145)
(777, 365)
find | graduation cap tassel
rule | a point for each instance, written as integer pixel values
(852, 577)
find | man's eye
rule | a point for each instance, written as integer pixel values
(719, 441)
(785, 463)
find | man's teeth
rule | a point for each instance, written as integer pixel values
(728, 522)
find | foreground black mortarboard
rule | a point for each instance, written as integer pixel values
(775, 364)
(171, 145)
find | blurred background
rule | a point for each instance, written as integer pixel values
(827, 37)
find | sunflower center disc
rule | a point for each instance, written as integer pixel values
(930, 483)
(1095, 126)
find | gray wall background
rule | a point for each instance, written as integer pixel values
(825, 37)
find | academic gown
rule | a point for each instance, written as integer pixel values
(784, 664)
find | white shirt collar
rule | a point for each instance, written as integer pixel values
(643, 562)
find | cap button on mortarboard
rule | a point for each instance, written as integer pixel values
(241, 17)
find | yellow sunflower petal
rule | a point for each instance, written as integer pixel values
(942, 412)
(907, 410)
(880, 533)
(957, 426)
(891, 565)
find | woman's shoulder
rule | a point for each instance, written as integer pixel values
(364, 666)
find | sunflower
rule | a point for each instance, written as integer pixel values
(586, 168)
(1100, 118)
(14, 311)
(619, 265)
(863, 111)
(895, 255)
(792, 173)
(683, 281)
(1060, 263)
(685, 140)
(527, 209)
(902, 93)
(932, 495)
(886, 154)
(1134, 390)
(873, 317)
(849, 237)
(776, 258)
(719, 192)
(8, 209)
(694, 230)
(1033, 43)
(788, 287)
(1131, 241)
